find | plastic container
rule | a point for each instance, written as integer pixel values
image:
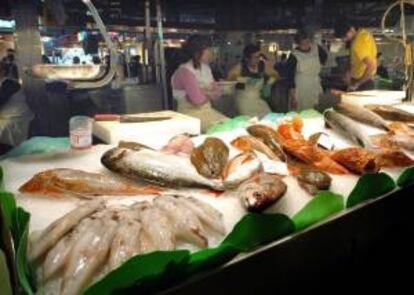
(80, 129)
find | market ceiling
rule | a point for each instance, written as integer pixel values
(219, 14)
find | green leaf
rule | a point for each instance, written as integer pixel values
(5, 284)
(21, 232)
(258, 229)
(149, 267)
(1, 179)
(370, 186)
(210, 258)
(322, 206)
(406, 178)
(8, 205)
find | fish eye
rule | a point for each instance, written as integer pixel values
(257, 194)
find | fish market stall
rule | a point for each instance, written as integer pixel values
(215, 206)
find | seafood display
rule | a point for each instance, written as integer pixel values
(357, 160)
(361, 114)
(62, 182)
(157, 167)
(269, 137)
(394, 141)
(391, 113)
(210, 158)
(348, 128)
(94, 239)
(314, 181)
(261, 192)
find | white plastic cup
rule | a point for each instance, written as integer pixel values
(80, 129)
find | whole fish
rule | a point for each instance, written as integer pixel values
(391, 113)
(61, 182)
(210, 158)
(314, 181)
(269, 137)
(157, 167)
(357, 160)
(261, 192)
(347, 127)
(362, 115)
(250, 144)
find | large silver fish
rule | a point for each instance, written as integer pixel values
(157, 167)
(362, 115)
(348, 128)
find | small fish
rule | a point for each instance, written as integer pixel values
(241, 168)
(347, 128)
(362, 115)
(210, 158)
(357, 160)
(261, 192)
(49, 237)
(61, 182)
(314, 181)
(391, 113)
(157, 167)
(269, 137)
(248, 144)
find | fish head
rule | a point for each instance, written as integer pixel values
(261, 192)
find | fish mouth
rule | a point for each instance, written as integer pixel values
(110, 157)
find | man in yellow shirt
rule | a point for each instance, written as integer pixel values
(363, 56)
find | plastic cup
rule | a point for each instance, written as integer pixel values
(80, 129)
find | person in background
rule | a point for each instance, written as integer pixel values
(381, 69)
(96, 60)
(255, 76)
(363, 66)
(302, 71)
(45, 59)
(76, 60)
(136, 68)
(10, 62)
(193, 85)
(15, 115)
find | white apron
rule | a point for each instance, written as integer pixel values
(207, 115)
(307, 80)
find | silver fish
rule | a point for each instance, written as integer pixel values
(52, 234)
(361, 114)
(348, 128)
(157, 167)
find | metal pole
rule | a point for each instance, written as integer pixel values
(147, 41)
(163, 74)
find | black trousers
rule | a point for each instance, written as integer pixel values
(369, 85)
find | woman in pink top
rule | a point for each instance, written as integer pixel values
(194, 86)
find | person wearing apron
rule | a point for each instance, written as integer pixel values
(255, 77)
(303, 69)
(193, 84)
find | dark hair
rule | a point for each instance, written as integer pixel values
(249, 50)
(303, 34)
(194, 47)
(76, 60)
(341, 27)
